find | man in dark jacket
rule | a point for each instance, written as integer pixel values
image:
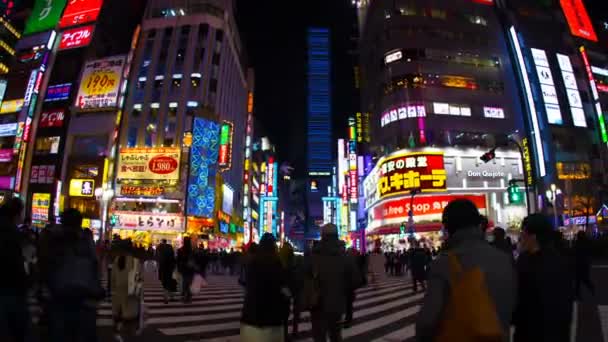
(166, 266)
(14, 313)
(419, 262)
(338, 274)
(545, 287)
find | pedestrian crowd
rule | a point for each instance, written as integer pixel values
(475, 290)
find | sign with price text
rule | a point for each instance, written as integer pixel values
(100, 84)
(149, 163)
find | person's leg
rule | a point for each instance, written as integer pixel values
(350, 298)
(296, 315)
(334, 330)
(109, 282)
(87, 323)
(319, 330)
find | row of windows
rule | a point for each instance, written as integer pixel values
(440, 138)
(442, 81)
(446, 56)
(151, 129)
(436, 13)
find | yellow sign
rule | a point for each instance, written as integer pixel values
(40, 207)
(160, 163)
(82, 188)
(11, 106)
(573, 170)
(100, 83)
(527, 162)
(403, 173)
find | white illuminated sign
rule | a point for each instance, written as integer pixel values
(574, 96)
(545, 78)
(451, 109)
(393, 57)
(402, 112)
(599, 71)
(493, 112)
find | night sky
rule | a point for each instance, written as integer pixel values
(274, 32)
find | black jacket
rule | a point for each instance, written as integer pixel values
(545, 295)
(264, 305)
(14, 279)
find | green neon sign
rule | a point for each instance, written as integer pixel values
(45, 16)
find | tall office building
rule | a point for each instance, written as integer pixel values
(319, 102)
(188, 87)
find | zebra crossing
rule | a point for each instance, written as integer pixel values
(383, 311)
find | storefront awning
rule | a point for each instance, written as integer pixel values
(418, 228)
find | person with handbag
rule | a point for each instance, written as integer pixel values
(127, 285)
(266, 295)
(73, 282)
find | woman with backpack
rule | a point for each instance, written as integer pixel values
(127, 290)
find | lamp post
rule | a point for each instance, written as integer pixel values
(552, 196)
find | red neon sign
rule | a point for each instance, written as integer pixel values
(578, 19)
(52, 118)
(76, 37)
(80, 12)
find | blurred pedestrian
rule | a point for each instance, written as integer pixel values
(73, 282)
(582, 263)
(545, 291)
(419, 261)
(166, 266)
(186, 266)
(287, 258)
(350, 291)
(467, 249)
(501, 243)
(336, 275)
(15, 320)
(266, 295)
(127, 291)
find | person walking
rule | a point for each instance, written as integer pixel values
(501, 243)
(73, 281)
(186, 266)
(127, 291)
(337, 274)
(545, 291)
(350, 291)
(467, 247)
(266, 295)
(287, 258)
(166, 265)
(582, 264)
(15, 320)
(419, 262)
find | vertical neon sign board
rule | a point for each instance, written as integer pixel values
(203, 167)
(578, 19)
(596, 97)
(545, 78)
(574, 96)
(225, 154)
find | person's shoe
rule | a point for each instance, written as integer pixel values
(118, 338)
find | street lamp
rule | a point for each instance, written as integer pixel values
(552, 196)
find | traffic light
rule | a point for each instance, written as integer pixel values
(486, 157)
(402, 229)
(113, 220)
(515, 195)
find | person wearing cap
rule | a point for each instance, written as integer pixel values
(338, 275)
(545, 285)
(466, 241)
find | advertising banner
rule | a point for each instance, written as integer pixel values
(402, 173)
(100, 83)
(7, 130)
(428, 205)
(40, 207)
(6, 155)
(82, 187)
(578, 19)
(147, 221)
(58, 92)
(76, 37)
(203, 168)
(45, 15)
(80, 12)
(149, 163)
(42, 174)
(554, 115)
(52, 118)
(141, 190)
(11, 106)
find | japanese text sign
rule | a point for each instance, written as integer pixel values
(45, 15)
(42, 174)
(52, 118)
(146, 221)
(40, 207)
(423, 205)
(578, 19)
(100, 83)
(82, 187)
(80, 12)
(149, 163)
(58, 92)
(136, 190)
(76, 37)
(402, 173)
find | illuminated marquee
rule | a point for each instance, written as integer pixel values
(76, 37)
(402, 112)
(225, 153)
(420, 170)
(578, 19)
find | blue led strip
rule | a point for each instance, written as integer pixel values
(319, 101)
(203, 167)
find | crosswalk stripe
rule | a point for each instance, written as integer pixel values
(404, 333)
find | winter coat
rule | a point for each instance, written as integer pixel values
(338, 274)
(472, 251)
(265, 303)
(14, 278)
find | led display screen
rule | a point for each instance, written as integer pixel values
(58, 92)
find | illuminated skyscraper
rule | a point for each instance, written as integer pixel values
(319, 154)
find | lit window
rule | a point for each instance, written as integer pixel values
(451, 109)
(387, 14)
(493, 112)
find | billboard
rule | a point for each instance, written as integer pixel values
(203, 167)
(149, 163)
(80, 12)
(423, 205)
(52, 118)
(45, 15)
(225, 153)
(100, 84)
(402, 112)
(42, 174)
(578, 19)
(547, 86)
(41, 203)
(58, 92)
(146, 221)
(76, 37)
(574, 96)
(82, 187)
(11, 106)
(8, 130)
(6, 155)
